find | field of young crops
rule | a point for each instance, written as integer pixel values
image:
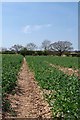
(63, 90)
(71, 62)
(10, 67)
(0, 81)
(60, 90)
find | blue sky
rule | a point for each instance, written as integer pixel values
(23, 23)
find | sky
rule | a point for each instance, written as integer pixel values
(34, 22)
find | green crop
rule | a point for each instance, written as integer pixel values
(10, 68)
(62, 91)
(64, 96)
(71, 62)
(0, 81)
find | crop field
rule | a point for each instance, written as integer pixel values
(0, 81)
(62, 91)
(10, 67)
(71, 62)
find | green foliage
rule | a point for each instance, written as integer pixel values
(0, 81)
(10, 68)
(71, 62)
(64, 95)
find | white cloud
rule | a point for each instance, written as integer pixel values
(31, 28)
(27, 29)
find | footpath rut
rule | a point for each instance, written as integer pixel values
(66, 70)
(28, 101)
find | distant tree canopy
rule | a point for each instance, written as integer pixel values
(45, 44)
(16, 48)
(23, 51)
(31, 46)
(3, 49)
(56, 48)
(61, 46)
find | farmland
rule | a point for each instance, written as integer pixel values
(64, 89)
(10, 67)
(60, 90)
(71, 62)
(0, 82)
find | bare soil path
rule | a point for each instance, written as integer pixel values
(66, 70)
(28, 101)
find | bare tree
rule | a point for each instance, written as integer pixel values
(61, 46)
(16, 48)
(45, 44)
(31, 46)
(3, 49)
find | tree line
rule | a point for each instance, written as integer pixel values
(47, 48)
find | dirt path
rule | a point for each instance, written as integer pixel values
(28, 101)
(66, 70)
